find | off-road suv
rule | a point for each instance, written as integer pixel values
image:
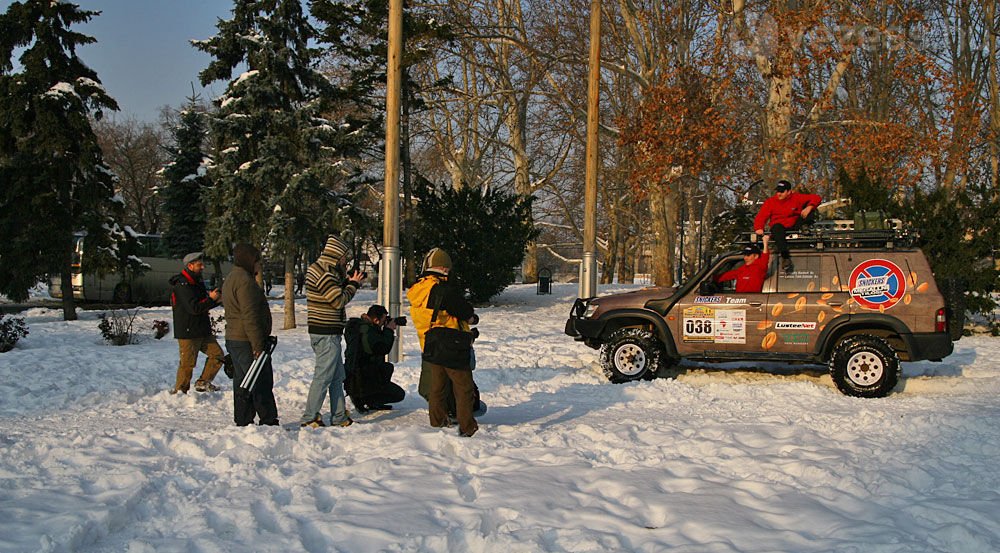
(860, 301)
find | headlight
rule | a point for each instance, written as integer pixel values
(591, 309)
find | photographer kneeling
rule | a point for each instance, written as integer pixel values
(369, 377)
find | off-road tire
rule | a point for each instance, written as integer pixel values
(864, 366)
(630, 354)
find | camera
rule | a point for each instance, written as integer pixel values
(400, 321)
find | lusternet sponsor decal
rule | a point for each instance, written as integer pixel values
(877, 284)
(789, 325)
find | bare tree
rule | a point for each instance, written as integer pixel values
(134, 151)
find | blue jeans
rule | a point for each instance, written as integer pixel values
(328, 378)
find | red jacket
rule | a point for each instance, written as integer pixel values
(784, 212)
(749, 278)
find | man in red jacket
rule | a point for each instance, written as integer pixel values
(751, 274)
(785, 211)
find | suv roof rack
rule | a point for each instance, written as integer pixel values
(844, 234)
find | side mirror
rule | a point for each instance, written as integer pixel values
(707, 287)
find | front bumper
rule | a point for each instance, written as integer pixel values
(584, 329)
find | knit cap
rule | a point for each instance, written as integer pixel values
(437, 258)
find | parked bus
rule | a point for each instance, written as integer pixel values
(152, 287)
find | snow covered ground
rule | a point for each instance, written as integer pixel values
(98, 457)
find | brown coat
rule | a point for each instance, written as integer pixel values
(248, 315)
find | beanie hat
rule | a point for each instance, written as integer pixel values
(335, 248)
(436, 258)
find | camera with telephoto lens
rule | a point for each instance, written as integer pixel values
(400, 321)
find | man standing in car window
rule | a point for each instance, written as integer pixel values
(751, 274)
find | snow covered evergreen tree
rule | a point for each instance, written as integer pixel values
(55, 181)
(284, 135)
(186, 181)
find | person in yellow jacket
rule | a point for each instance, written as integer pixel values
(443, 319)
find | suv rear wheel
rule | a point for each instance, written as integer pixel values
(631, 354)
(864, 366)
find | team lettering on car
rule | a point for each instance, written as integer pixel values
(719, 299)
(877, 284)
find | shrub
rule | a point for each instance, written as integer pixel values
(116, 326)
(12, 329)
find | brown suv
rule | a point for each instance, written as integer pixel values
(859, 301)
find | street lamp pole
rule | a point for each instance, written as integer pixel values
(588, 268)
(390, 274)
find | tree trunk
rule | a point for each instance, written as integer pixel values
(611, 259)
(777, 147)
(408, 254)
(994, 107)
(289, 291)
(663, 210)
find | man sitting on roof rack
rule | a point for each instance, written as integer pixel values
(785, 211)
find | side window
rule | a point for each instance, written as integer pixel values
(808, 274)
(727, 265)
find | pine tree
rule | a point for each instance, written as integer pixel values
(283, 134)
(185, 182)
(485, 231)
(55, 179)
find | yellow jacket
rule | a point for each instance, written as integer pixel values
(421, 313)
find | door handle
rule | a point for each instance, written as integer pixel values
(755, 303)
(835, 303)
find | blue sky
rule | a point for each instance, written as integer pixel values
(143, 54)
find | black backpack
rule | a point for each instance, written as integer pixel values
(352, 341)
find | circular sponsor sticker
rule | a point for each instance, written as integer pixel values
(877, 283)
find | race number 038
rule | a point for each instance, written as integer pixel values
(698, 327)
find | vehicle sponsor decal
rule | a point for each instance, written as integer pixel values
(720, 326)
(877, 284)
(795, 338)
(791, 325)
(719, 299)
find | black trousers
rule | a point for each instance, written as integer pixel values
(372, 385)
(779, 231)
(260, 402)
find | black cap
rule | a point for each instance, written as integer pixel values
(782, 186)
(752, 249)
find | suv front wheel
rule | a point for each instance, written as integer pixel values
(631, 354)
(864, 366)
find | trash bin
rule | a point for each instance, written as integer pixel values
(544, 281)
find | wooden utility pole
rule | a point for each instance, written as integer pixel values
(588, 269)
(389, 274)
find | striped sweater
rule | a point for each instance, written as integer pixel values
(327, 292)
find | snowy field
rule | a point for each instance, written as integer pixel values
(98, 457)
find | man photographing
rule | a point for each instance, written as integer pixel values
(369, 377)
